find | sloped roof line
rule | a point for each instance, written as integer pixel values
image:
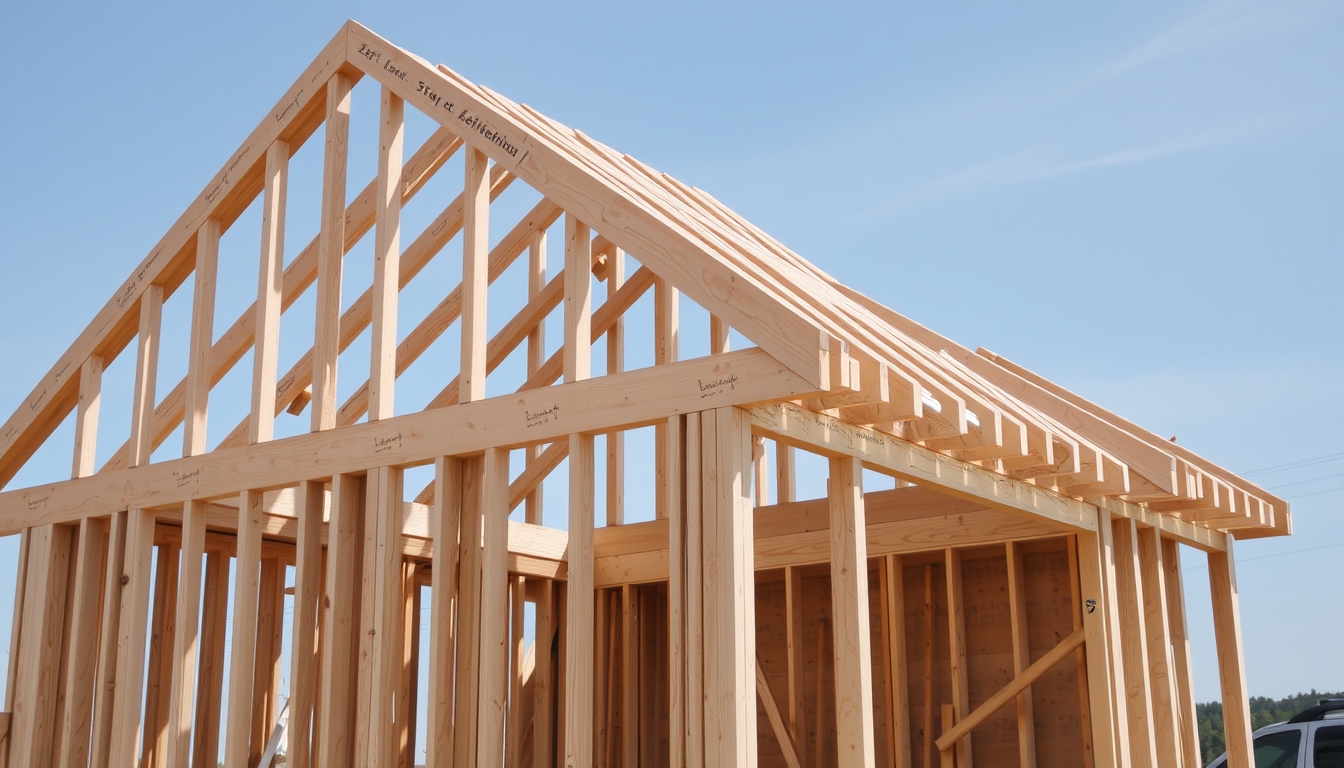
(772, 295)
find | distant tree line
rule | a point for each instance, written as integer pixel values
(1264, 711)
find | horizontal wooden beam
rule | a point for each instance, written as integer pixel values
(618, 401)
(913, 463)
(1172, 527)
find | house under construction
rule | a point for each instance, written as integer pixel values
(1011, 594)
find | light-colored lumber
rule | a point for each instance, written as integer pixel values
(630, 683)
(914, 463)
(956, 632)
(1017, 613)
(536, 356)
(894, 627)
(270, 285)
(615, 500)
(386, 256)
(469, 609)
(388, 647)
(776, 718)
(224, 196)
(35, 724)
(578, 301)
(1100, 686)
(1080, 656)
(163, 631)
(339, 642)
(1182, 673)
(517, 659)
(310, 503)
(209, 691)
(331, 249)
(1111, 606)
(133, 618)
(855, 732)
(1231, 663)
(475, 254)
(1020, 682)
(86, 416)
(578, 688)
(81, 652)
(243, 660)
(793, 619)
(443, 627)
(267, 671)
(928, 748)
(415, 438)
(543, 679)
(493, 662)
(666, 349)
(186, 639)
(109, 636)
(146, 373)
(729, 588)
(1157, 627)
(784, 474)
(197, 386)
(679, 596)
(1133, 637)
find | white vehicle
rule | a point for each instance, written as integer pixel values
(1313, 738)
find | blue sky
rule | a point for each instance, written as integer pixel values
(1143, 203)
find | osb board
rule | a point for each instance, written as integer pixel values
(1055, 697)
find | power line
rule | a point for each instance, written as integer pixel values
(1276, 554)
(1304, 482)
(1318, 493)
(1295, 464)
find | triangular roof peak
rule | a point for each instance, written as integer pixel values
(866, 364)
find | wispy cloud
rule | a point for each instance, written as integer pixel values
(1041, 162)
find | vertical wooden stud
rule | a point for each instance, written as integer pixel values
(475, 278)
(197, 394)
(310, 504)
(1134, 644)
(146, 373)
(388, 646)
(35, 714)
(186, 640)
(899, 706)
(109, 638)
(209, 691)
(536, 357)
(386, 257)
(1017, 616)
(616, 364)
(86, 418)
(494, 624)
(1180, 648)
(856, 747)
(443, 628)
(133, 619)
(270, 280)
(517, 657)
(1106, 751)
(543, 680)
(666, 341)
(163, 630)
(339, 657)
(956, 632)
(1231, 665)
(469, 610)
(243, 660)
(330, 252)
(1155, 615)
(82, 653)
(579, 614)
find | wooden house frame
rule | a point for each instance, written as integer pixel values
(1015, 598)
